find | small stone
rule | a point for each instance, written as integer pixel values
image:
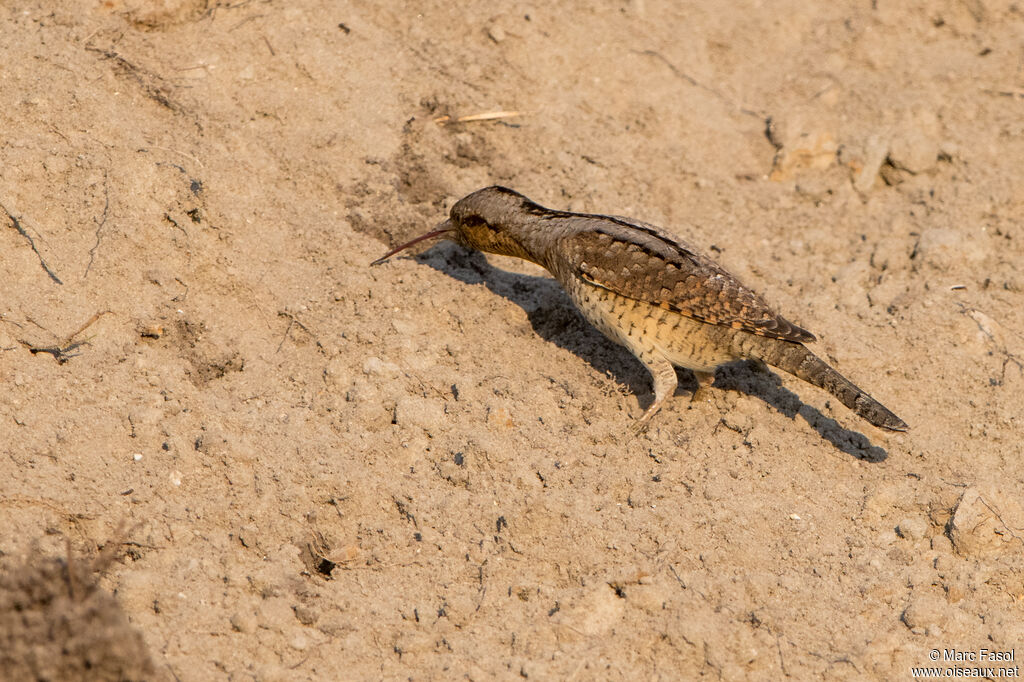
(893, 175)
(926, 614)
(496, 33)
(248, 535)
(299, 643)
(307, 615)
(939, 514)
(243, 622)
(955, 593)
(373, 365)
(405, 327)
(740, 423)
(912, 528)
(866, 169)
(913, 151)
(982, 522)
(152, 331)
(940, 543)
(885, 538)
(813, 149)
(500, 418)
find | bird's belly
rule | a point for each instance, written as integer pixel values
(642, 327)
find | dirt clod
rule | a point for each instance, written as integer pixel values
(57, 623)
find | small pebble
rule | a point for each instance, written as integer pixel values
(496, 33)
(499, 418)
(874, 156)
(975, 529)
(307, 615)
(926, 614)
(243, 622)
(941, 543)
(405, 327)
(913, 151)
(152, 331)
(912, 528)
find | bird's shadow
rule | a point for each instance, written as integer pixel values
(555, 319)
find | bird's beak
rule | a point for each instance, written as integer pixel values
(439, 231)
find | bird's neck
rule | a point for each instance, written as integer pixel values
(513, 244)
(530, 237)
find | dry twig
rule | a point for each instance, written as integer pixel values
(485, 116)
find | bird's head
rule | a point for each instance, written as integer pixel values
(487, 220)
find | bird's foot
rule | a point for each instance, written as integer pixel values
(639, 426)
(703, 393)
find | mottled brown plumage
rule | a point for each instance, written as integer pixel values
(667, 303)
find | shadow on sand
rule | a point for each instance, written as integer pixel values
(553, 317)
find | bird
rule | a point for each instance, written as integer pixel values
(667, 303)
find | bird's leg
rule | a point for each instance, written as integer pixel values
(663, 374)
(704, 381)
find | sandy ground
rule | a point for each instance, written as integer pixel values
(310, 469)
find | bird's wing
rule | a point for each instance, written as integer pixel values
(639, 261)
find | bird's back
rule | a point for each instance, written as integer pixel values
(643, 263)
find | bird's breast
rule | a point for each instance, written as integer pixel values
(644, 328)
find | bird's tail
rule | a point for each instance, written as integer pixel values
(796, 359)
